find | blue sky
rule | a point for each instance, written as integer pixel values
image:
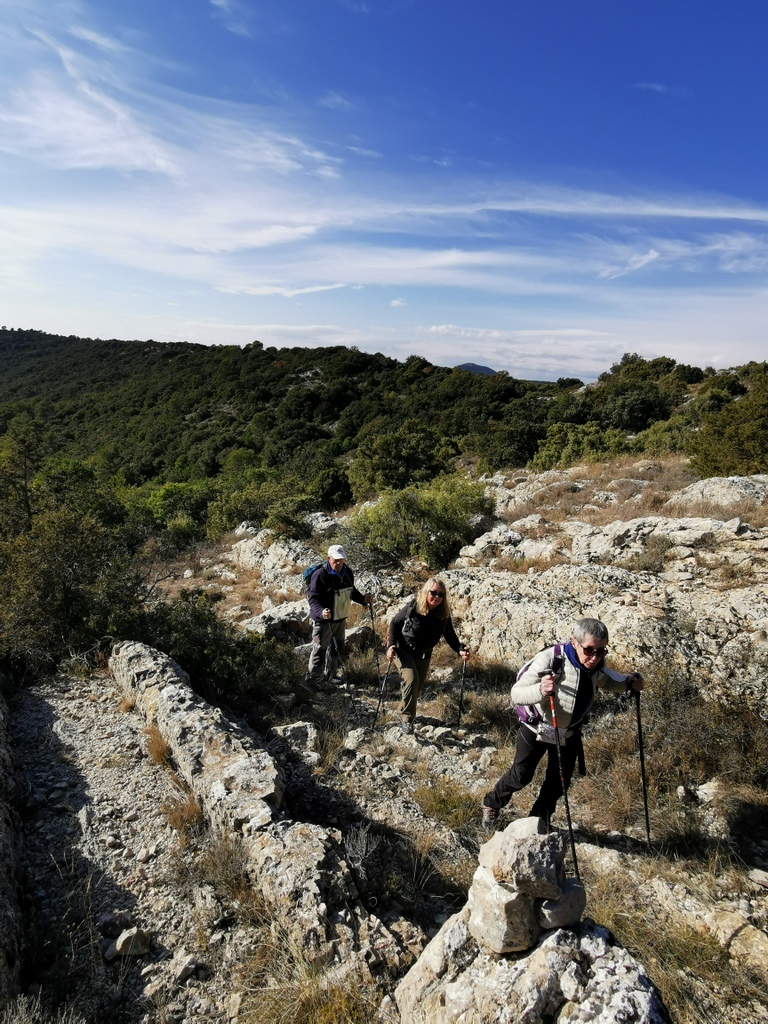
(539, 187)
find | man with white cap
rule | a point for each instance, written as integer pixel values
(331, 590)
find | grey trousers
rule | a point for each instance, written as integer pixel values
(325, 656)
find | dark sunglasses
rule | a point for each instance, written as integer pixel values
(437, 593)
(592, 651)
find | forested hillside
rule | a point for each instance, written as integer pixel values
(114, 453)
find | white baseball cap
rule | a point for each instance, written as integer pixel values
(337, 551)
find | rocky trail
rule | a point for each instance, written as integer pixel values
(162, 848)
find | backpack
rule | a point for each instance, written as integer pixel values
(529, 714)
(306, 576)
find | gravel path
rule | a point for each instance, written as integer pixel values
(98, 858)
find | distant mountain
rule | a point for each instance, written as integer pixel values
(476, 368)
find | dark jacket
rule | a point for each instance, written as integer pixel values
(420, 633)
(324, 586)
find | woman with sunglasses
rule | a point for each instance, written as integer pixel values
(411, 637)
(572, 672)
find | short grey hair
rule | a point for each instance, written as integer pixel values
(590, 627)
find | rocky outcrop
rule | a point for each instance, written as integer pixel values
(225, 765)
(723, 491)
(296, 866)
(521, 901)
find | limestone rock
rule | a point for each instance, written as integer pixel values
(575, 976)
(500, 918)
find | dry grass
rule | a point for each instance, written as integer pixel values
(331, 733)
(450, 803)
(182, 810)
(691, 970)
(284, 986)
(127, 703)
(29, 1010)
(158, 749)
(525, 565)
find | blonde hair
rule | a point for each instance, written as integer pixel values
(443, 611)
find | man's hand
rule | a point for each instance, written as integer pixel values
(368, 599)
(391, 652)
(464, 653)
(326, 613)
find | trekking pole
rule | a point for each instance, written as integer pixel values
(642, 766)
(562, 783)
(461, 693)
(342, 669)
(381, 695)
(375, 648)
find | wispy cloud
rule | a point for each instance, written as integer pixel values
(238, 212)
(236, 15)
(675, 91)
(336, 101)
(287, 293)
(652, 87)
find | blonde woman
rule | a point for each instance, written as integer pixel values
(413, 634)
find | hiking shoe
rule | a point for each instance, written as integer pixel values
(490, 816)
(407, 726)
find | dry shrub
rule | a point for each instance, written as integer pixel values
(652, 557)
(181, 810)
(127, 703)
(158, 749)
(731, 576)
(223, 864)
(29, 1010)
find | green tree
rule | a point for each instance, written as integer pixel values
(22, 450)
(569, 443)
(395, 459)
(65, 584)
(734, 440)
(429, 521)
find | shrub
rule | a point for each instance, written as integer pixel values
(221, 661)
(397, 458)
(569, 443)
(734, 440)
(430, 521)
(64, 585)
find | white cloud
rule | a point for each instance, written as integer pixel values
(287, 293)
(652, 87)
(397, 303)
(336, 101)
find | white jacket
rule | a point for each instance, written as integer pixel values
(527, 689)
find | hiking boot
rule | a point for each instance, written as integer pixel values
(490, 816)
(407, 726)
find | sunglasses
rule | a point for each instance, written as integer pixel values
(437, 593)
(592, 651)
